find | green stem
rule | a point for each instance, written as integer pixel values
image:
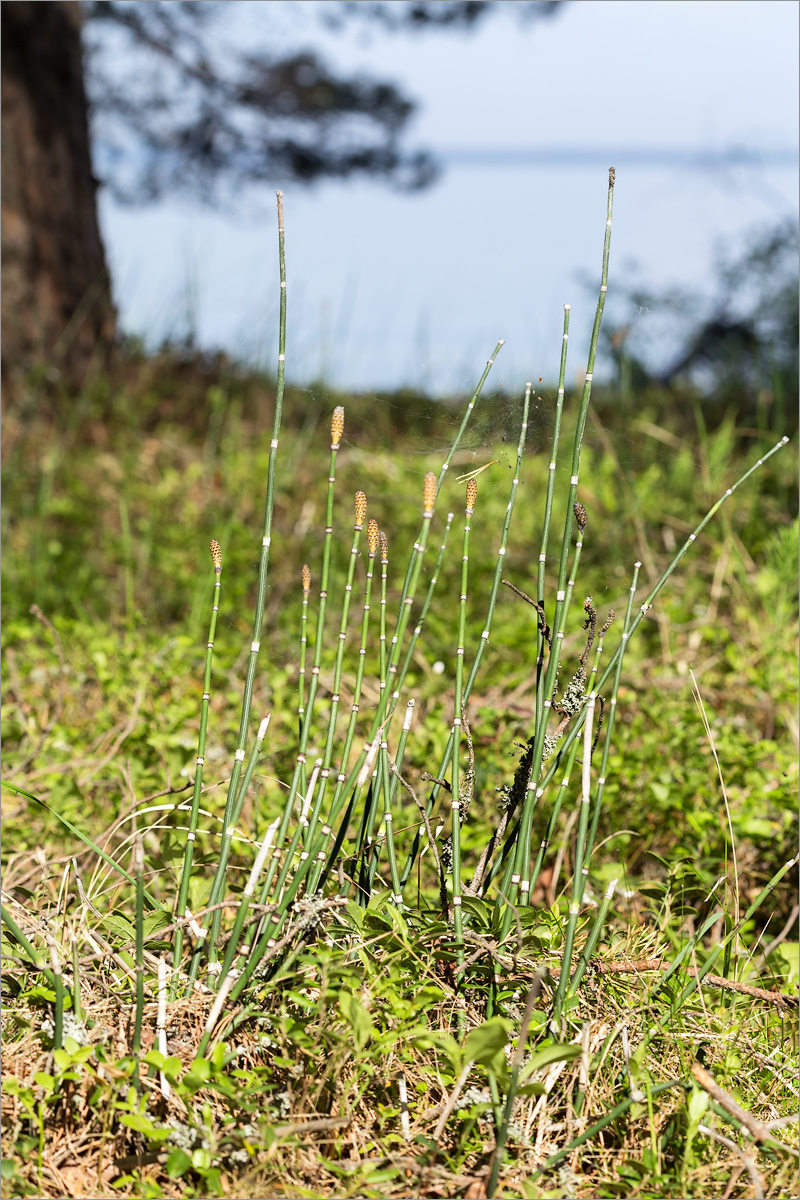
(455, 799)
(139, 1012)
(593, 938)
(520, 875)
(484, 638)
(548, 510)
(266, 540)
(186, 874)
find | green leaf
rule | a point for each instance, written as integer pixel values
(141, 1124)
(551, 1054)
(698, 1103)
(788, 956)
(198, 1074)
(531, 1089)
(40, 993)
(201, 1159)
(178, 1163)
(425, 1039)
(479, 910)
(358, 1017)
(356, 913)
(483, 1043)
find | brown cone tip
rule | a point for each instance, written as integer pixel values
(305, 576)
(216, 554)
(581, 516)
(428, 494)
(337, 425)
(384, 544)
(472, 494)
(372, 537)
(361, 508)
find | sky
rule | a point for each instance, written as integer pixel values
(388, 290)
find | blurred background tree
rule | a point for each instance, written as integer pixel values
(737, 341)
(176, 110)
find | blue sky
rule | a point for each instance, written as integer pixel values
(386, 290)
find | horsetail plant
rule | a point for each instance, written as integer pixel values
(349, 823)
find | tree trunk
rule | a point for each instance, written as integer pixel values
(56, 299)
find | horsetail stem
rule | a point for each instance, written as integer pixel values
(139, 1011)
(548, 510)
(218, 884)
(522, 859)
(412, 577)
(379, 720)
(578, 878)
(455, 799)
(186, 874)
(484, 639)
(305, 582)
(413, 563)
(384, 548)
(247, 896)
(206, 939)
(266, 540)
(551, 824)
(375, 540)
(593, 938)
(360, 512)
(337, 429)
(612, 712)
(420, 625)
(392, 777)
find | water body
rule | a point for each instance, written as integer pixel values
(389, 290)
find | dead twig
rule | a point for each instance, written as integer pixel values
(757, 1129)
(728, 985)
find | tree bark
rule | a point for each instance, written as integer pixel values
(56, 298)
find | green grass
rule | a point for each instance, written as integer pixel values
(293, 1081)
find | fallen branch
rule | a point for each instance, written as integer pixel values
(757, 1129)
(604, 967)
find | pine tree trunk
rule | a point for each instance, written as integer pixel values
(56, 299)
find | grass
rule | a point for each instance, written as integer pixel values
(442, 973)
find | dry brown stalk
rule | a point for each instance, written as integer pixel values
(757, 1129)
(729, 985)
(747, 1161)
